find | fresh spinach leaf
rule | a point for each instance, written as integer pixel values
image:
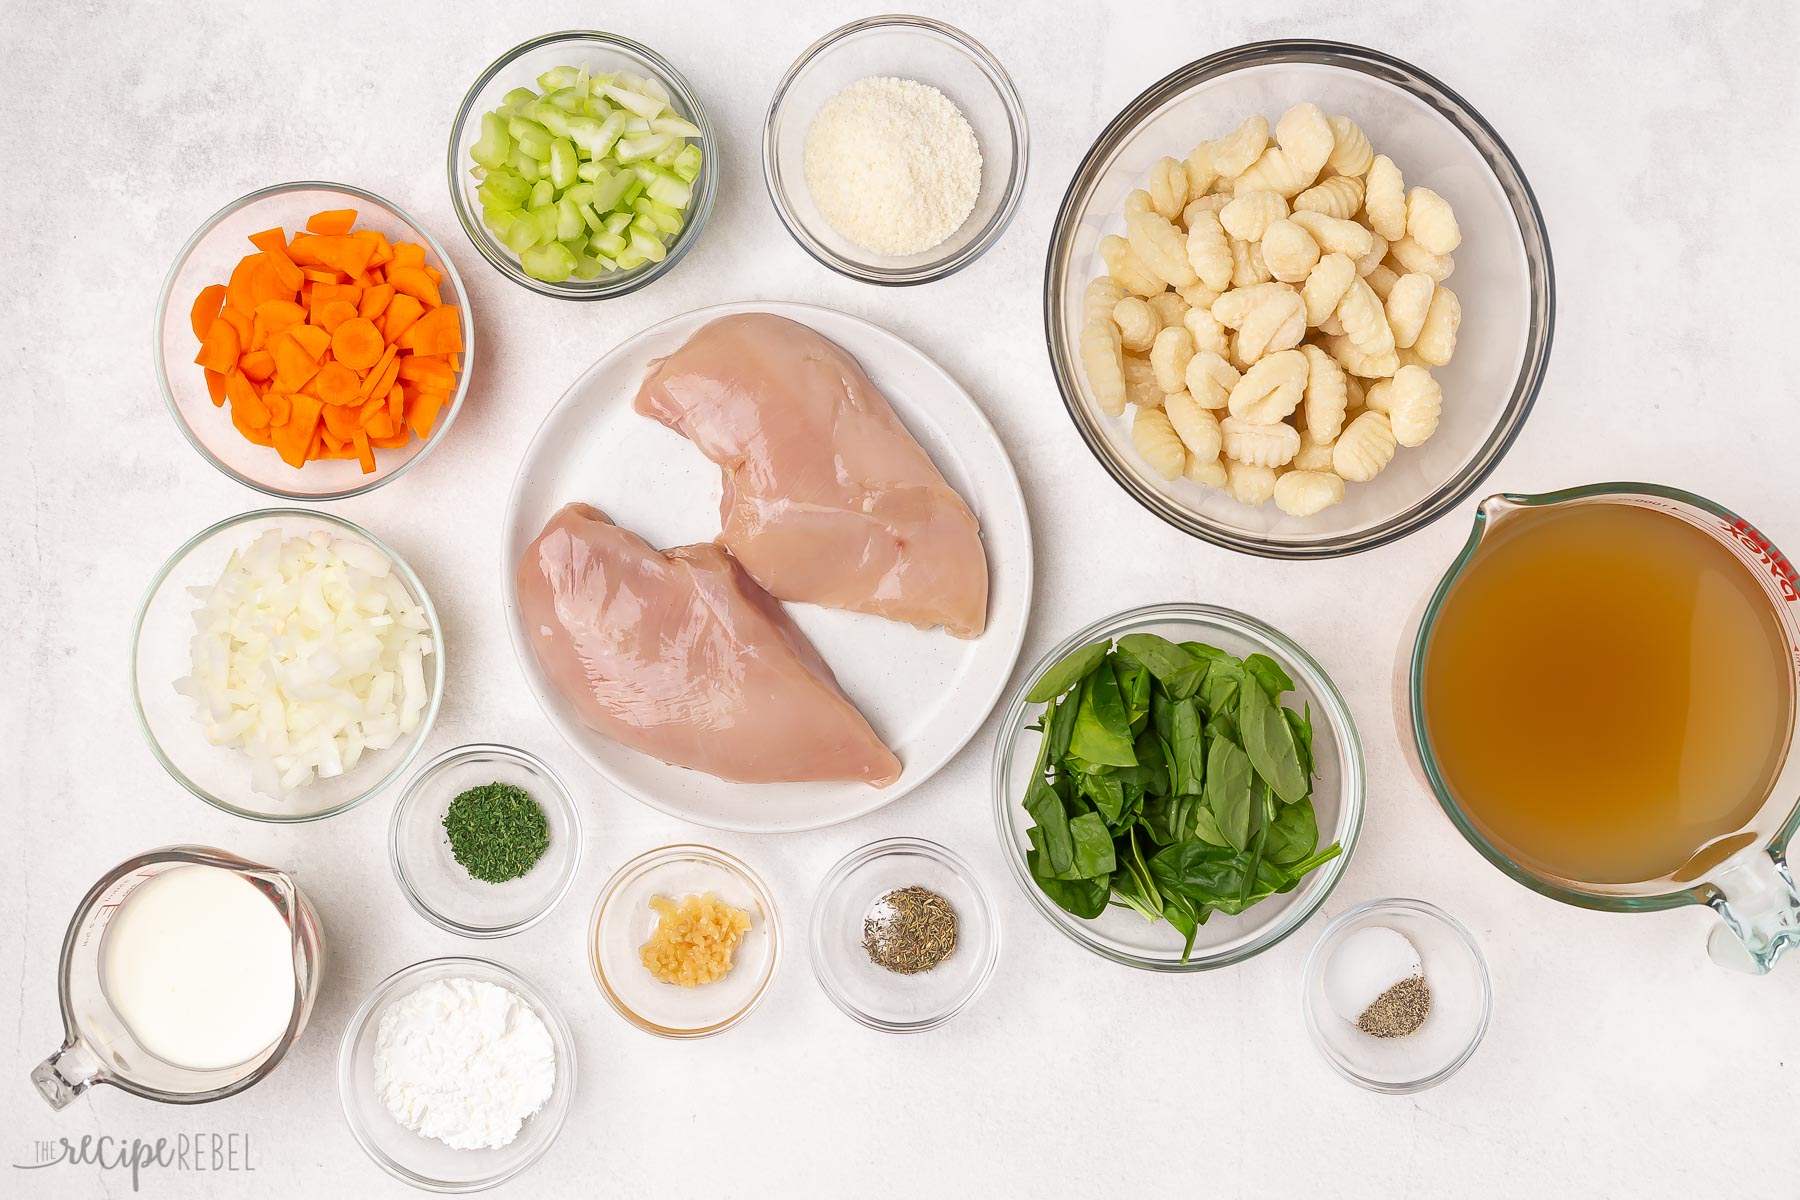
(1268, 672)
(1224, 682)
(1107, 795)
(1141, 889)
(1134, 688)
(1093, 846)
(1227, 792)
(1303, 735)
(1102, 733)
(1185, 917)
(1085, 898)
(1069, 670)
(1166, 660)
(1046, 808)
(1202, 873)
(1202, 650)
(1204, 827)
(1187, 773)
(1269, 741)
(1293, 834)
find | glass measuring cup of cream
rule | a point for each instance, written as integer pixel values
(185, 975)
(1601, 692)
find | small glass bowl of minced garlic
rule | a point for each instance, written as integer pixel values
(903, 935)
(1396, 995)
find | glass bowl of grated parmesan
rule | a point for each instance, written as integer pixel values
(895, 150)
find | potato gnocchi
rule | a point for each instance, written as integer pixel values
(1273, 311)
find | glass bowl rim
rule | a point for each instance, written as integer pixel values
(561, 1036)
(883, 848)
(1314, 964)
(414, 790)
(438, 431)
(1269, 639)
(413, 584)
(949, 264)
(649, 860)
(1541, 325)
(698, 212)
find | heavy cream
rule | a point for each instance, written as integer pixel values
(199, 965)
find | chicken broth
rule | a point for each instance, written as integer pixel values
(1607, 693)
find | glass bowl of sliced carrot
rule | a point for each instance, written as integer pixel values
(313, 341)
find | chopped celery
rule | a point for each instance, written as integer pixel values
(495, 143)
(551, 262)
(586, 174)
(563, 163)
(568, 220)
(557, 78)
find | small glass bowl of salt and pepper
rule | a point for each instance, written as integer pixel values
(1396, 995)
(904, 936)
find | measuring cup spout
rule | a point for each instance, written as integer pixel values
(72, 1070)
(1754, 894)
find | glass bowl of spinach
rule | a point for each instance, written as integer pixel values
(1178, 787)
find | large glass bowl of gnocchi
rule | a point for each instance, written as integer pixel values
(1299, 299)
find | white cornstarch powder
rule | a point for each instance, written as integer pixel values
(463, 1061)
(893, 165)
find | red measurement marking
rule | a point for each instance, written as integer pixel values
(1787, 580)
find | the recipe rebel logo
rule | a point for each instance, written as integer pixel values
(184, 1153)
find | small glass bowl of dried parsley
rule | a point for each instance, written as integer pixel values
(485, 840)
(904, 935)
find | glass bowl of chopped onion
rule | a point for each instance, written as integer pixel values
(1503, 278)
(882, 51)
(286, 665)
(582, 165)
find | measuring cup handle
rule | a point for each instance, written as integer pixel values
(72, 1070)
(1754, 894)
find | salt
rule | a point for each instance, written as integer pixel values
(1366, 964)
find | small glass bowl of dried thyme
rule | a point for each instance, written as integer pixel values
(1396, 995)
(904, 935)
(485, 840)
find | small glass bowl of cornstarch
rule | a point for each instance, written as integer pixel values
(895, 150)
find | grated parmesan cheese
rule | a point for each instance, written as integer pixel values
(893, 165)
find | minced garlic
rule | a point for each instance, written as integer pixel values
(694, 939)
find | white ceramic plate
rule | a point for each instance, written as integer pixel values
(926, 693)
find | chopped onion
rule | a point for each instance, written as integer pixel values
(308, 653)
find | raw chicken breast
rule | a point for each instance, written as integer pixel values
(828, 499)
(680, 655)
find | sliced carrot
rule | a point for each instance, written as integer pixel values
(219, 352)
(336, 384)
(422, 411)
(402, 311)
(364, 454)
(277, 315)
(207, 305)
(409, 254)
(321, 275)
(312, 339)
(279, 405)
(375, 300)
(396, 400)
(372, 377)
(246, 405)
(384, 253)
(437, 276)
(270, 239)
(357, 343)
(215, 386)
(331, 315)
(295, 438)
(261, 435)
(339, 252)
(342, 419)
(326, 293)
(285, 269)
(437, 332)
(293, 365)
(414, 282)
(392, 443)
(332, 221)
(427, 372)
(455, 361)
(239, 321)
(257, 365)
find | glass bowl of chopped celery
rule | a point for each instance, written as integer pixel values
(485, 840)
(582, 165)
(1193, 811)
(286, 665)
(919, 50)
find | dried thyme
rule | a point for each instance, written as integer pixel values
(909, 930)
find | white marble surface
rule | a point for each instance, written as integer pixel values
(1661, 141)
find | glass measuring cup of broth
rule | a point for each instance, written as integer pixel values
(185, 976)
(1601, 694)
